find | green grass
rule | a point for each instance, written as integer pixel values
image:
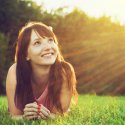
(91, 110)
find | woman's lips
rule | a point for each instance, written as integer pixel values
(47, 54)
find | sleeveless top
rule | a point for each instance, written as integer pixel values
(42, 99)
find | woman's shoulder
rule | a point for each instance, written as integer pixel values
(13, 66)
(12, 70)
(11, 76)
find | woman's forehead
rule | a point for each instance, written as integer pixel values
(35, 35)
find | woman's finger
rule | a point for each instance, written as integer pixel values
(30, 114)
(42, 116)
(30, 117)
(45, 109)
(30, 109)
(31, 105)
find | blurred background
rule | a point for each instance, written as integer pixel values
(91, 34)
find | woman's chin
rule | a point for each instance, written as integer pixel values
(48, 63)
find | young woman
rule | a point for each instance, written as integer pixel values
(40, 83)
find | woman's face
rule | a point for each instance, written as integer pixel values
(42, 51)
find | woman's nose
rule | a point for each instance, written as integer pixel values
(47, 45)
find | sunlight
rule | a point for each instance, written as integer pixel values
(95, 8)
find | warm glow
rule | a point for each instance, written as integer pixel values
(96, 8)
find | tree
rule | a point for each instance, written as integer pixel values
(3, 48)
(13, 15)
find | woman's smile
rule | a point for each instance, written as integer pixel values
(48, 54)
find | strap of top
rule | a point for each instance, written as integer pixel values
(42, 98)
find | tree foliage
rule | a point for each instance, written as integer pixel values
(3, 48)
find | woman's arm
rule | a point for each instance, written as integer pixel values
(65, 97)
(10, 91)
(68, 88)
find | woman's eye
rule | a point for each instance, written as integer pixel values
(37, 43)
(51, 40)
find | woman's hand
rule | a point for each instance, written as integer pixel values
(43, 112)
(35, 111)
(30, 111)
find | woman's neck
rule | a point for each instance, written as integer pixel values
(40, 74)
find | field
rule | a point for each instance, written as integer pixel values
(90, 110)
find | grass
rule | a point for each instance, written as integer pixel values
(91, 110)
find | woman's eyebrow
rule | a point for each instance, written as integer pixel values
(46, 37)
(37, 39)
(50, 38)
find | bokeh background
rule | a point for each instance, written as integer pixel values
(91, 34)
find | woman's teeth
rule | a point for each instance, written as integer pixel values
(48, 54)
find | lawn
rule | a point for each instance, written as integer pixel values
(90, 110)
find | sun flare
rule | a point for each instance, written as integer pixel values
(95, 8)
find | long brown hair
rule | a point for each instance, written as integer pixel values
(58, 71)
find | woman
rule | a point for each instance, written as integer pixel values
(40, 83)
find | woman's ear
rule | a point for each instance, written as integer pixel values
(27, 58)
